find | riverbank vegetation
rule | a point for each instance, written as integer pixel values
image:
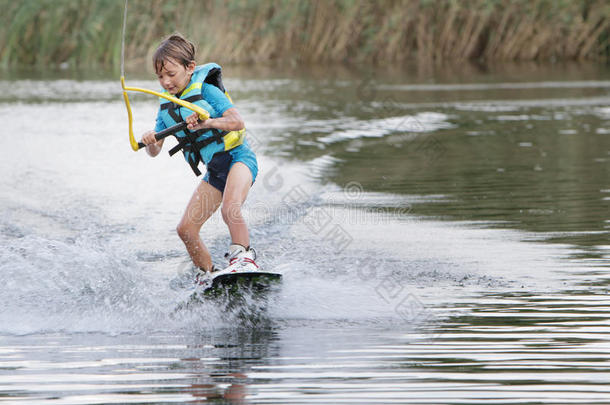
(83, 33)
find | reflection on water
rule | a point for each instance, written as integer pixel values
(472, 264)
(511, 348)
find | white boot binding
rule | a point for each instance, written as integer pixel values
(235, 251)
(241, 258)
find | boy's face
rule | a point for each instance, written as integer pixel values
(174, 77)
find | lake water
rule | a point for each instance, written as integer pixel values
(443, 239)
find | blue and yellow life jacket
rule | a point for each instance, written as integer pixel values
(201, 145)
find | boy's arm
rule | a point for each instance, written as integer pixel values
(153, 147)
(230, 121)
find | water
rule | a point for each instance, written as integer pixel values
(443, 239)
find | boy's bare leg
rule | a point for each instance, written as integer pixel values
(204, 202)
(238, 185)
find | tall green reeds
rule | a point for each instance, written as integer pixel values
(87, 32)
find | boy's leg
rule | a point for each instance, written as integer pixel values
(238, 185)
(203, 204)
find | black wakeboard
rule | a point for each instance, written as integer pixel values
(241, 281)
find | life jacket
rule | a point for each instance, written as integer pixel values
(201, 145)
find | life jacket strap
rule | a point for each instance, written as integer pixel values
(177, 148)
(193, 147)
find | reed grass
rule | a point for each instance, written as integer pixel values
(88, 32)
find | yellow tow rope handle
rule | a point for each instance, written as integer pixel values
(203, 114)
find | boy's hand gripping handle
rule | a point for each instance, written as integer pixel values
(166, 132)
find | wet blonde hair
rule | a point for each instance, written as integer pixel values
(174, 47)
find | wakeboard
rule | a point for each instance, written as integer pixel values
(233, 282)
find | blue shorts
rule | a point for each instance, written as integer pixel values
(221, 163)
